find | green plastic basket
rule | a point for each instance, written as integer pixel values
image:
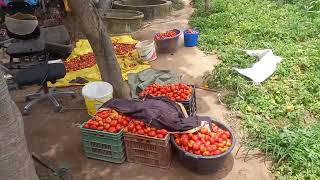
(103, 145)
(108, 159)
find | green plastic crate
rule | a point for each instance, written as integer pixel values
(109, 159)
(96, 146)
(103, 145)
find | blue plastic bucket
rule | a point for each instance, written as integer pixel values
(190, 39)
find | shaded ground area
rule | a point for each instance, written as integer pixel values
(57, 137)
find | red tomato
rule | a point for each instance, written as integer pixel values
(125, 122)
(214, 147)
(196, 147)
(195, 138)
(185, 136)
(184, 141)
(212, 141)
(108, 120)
(197, 152)
(138, 127)
(118, 127)
(114, 123)
(100, 123)
(152, 133)
(215, 129)
(130, 127)
(206, 153)
(190, 143)
(120, 120)
(106, 126)
(100, 128)
(227, 133)
(112, 129)
(207, 138)
(134, 130)
(178, 141)
(140, 131)
(202, 148)
(86, 126)
(163, 132)
(204, 131)
(160, 136)
(125, 129)
(216, 152)
(224, 137)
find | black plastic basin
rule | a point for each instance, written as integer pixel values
(204, 164)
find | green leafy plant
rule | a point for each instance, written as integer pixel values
(282, 114)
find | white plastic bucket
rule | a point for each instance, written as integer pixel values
(146, 50)
(96, 94)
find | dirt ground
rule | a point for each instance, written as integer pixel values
(57, 137)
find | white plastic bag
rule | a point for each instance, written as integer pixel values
(262, 69)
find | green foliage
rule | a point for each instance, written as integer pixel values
(280, 115)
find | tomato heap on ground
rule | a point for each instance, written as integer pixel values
(168, 34)
(204, 142)
(108, 120)
(139, 127)
(80, 62)
(123, 48)
(175, 92)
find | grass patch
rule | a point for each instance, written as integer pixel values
(282, 114)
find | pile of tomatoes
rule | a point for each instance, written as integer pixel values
(175, 92)
(122, 48)
(108, 121)
(168, 34)
(80, 62)
(139, 127)
(205, 142)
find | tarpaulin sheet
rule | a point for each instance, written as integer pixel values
(129, 63)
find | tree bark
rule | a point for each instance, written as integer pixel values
(15, 160)
(84, 11)
(207, 5)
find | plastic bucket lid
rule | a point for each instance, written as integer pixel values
(97, 90)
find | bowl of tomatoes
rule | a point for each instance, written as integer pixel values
(167, 42)
(204, 151)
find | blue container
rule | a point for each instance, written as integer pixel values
(190, 39)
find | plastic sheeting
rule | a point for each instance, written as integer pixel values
(129, 63)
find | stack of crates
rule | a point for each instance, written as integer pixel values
(147, 150)
(103, 145)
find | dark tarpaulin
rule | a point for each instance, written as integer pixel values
(159, 112)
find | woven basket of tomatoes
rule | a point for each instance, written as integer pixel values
(180, 92)
(204, 152)
(147, 145)
(102, 136)
(167, 42)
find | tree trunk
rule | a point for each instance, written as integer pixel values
(15, 160)
(207, 5)
(84, 11)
